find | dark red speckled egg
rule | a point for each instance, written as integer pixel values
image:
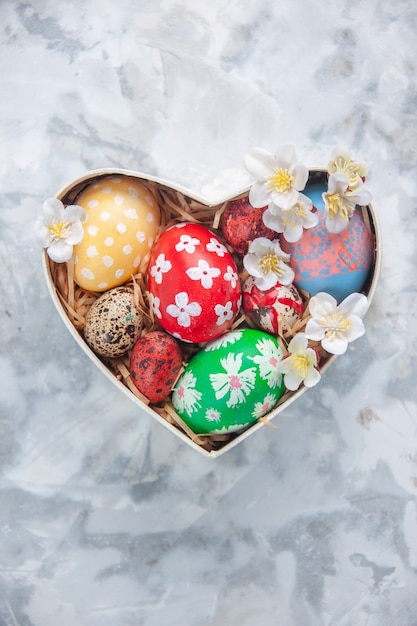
(241, 223)
(155, 363)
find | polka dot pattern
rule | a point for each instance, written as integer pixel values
(122, 223)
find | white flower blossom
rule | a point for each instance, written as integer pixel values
(224, 313)
(204, 273)
(336, 325)
(262, 408)
(161, 267)
(267, 263)
(340, 203)
(234, 382)
(279, 178)
(231, 276)
(183, 310)
(212, 415)
(228, 339)
(340, 161)
(267, 361)
(185, 396)
(216, 246)
(187, 244)
(300, 364)
(293, 220)
(60, 228)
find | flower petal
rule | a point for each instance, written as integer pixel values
(354, 304)
(52, 210)
(284, 366)
(287, 277)
(300, 177)
(312, 378)
(260, 163)
(284, 200)
(292, 381)
(361, 197)
(77, 233)
(356, 328)
(74, 212)
(336, 345)
(298, 344)
(322, 304)
(273, 220)
(251, 264)
(259, 246)
(310, 220)
(60, 251)
(339, 153)
(42, 233)
(276, 246)
(286, 156)
(314, 330)
(267, 281)
(293, 233)
(306, 201)
(337, 183)
(336, 224)
(259, 195)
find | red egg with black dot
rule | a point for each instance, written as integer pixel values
(155, 363)
(241, 223)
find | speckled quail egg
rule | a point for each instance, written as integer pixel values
(113, 323)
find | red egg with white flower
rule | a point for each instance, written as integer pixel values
(193, 283)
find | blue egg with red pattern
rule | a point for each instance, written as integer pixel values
(336, 263)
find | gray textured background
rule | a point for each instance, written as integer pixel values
(108, 519)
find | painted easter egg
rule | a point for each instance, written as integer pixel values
(241, 223)
(231, 383)
(337, 263)
(113, 323)
(120, 229)
(155, 363)
(275, 310)
(193, 283)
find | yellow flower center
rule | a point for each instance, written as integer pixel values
(338, 206)
(289, 216)
(350, 169)
(60, 230)
(281, 180)
(271, 263)
(300, 364)
(335, 324)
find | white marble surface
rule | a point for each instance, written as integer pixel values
(105, 517)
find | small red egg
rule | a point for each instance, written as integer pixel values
(241, 223)
(155, 363)
(275, 310)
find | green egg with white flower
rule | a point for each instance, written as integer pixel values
(231, 383)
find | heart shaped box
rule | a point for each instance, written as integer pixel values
(207, 445)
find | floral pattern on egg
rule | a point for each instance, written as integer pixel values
(232, 382)
(193, 283)
(121, 226)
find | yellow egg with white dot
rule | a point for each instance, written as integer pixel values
(123, 220)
